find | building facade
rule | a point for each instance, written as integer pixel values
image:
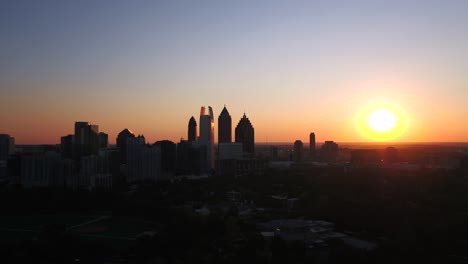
(312, 145)
(192, 130)
(245, 135)
(224, 127)
(298, 151)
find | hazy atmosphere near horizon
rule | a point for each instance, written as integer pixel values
(350, 71)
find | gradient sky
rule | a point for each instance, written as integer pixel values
(292, 66)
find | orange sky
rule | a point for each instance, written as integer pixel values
(293, 68)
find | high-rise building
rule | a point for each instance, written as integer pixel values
(86, 139)
(103, 140)
(245, 135)
(7, 146)
(40, 169)
(182, 159)
(122, 144)
(312, 145)
(207, 133)
(168, 157)
(66, 146)
(143, 161)
(329, 151)
(192, 130)
(224, 127)
(206, 125)
(298, 149)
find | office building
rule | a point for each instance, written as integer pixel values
(298, 150)
(192, 130)
(86, 139)
(143, 161)
(103, 140)
(329, 151)
(245, 135)
(66, 146)
(168, 158)
(224, 127)
(207, 133)
(122, 144)
(312, 145)
(7, 146)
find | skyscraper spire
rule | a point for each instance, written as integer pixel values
(192, 130)
(224, 126)
(245, 135)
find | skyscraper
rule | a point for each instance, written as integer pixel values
(103, 140)
(66, 146)
(192, 130)
(7, 146)
(207, 132)
(312, 145)
(122, 144)
(245, 135)
(86, 139)
(168, 157)
(298, 148)
(206, 125)
(143, 161)
(329, 151)
(224, 127)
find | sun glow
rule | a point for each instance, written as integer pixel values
(382, 122)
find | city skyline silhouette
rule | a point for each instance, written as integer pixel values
(250, 131)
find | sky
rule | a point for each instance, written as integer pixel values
(293, 67)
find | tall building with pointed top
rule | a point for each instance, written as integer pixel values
(245, 135)
(224, 127)
(192, 130)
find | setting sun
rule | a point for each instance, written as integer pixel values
(381, 121)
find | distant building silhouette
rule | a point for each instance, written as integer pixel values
(192, 130)
(329, 151)
(86, 139)
(245, 135)
(66, 146)
(182, 160)
(41, 170)
(206, 125)
(198, 158)
(7, 146)
(103, 140)
(122, 144)
(298, 150)
(207, 133)
(312, 145)
(143, 161)
(224, 127)
(168, 157)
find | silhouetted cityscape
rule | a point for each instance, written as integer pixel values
(197, 201)
(259, 131)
